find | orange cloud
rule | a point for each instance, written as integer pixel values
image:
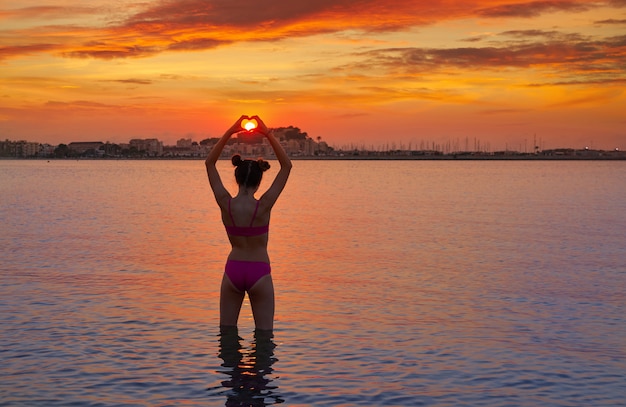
(594, 99)
(190, 25)
(82, 104)
(47, 12)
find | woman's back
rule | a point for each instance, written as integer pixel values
(247, 228)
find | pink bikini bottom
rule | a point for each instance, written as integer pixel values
(244, 274)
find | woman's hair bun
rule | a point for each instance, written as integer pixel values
(263, 165)
(237, 161)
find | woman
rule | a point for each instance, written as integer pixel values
(247, 222)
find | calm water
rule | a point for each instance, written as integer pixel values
(419, 283)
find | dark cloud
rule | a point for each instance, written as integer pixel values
(531, 33)
(17, 50)
(111, 52)
(568, 56)
(611, 21)
(132, 81)
(473, 39)
(216, 13)
(526, 35)
(533, 8)
(196, 44)
(223, 21)
(617, 41)
(263, 14)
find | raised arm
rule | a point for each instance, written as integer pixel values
(271, 195)
(221, 193)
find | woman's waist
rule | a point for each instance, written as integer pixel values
(239, 254)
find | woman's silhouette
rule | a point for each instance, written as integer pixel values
(247, 223)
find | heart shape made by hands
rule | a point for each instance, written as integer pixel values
(249, 124)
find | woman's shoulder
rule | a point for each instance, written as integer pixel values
(265, 204)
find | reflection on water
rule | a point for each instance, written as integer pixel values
(397, 284)
(248, 370)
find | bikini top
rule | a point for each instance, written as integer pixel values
(246, 231)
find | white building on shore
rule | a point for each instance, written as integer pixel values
(151, 146)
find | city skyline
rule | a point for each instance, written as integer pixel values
(299, 146)
(364, 73)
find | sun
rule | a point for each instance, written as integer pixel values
(249, 125)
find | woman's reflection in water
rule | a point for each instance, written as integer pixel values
(249, 370)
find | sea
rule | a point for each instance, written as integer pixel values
(398, 283)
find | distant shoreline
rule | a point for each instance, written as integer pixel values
(463, 158)
(350, 158)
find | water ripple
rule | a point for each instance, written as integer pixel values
(490, 284)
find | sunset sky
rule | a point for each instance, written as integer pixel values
(353, 72)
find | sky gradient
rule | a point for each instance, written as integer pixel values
(354, 72)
